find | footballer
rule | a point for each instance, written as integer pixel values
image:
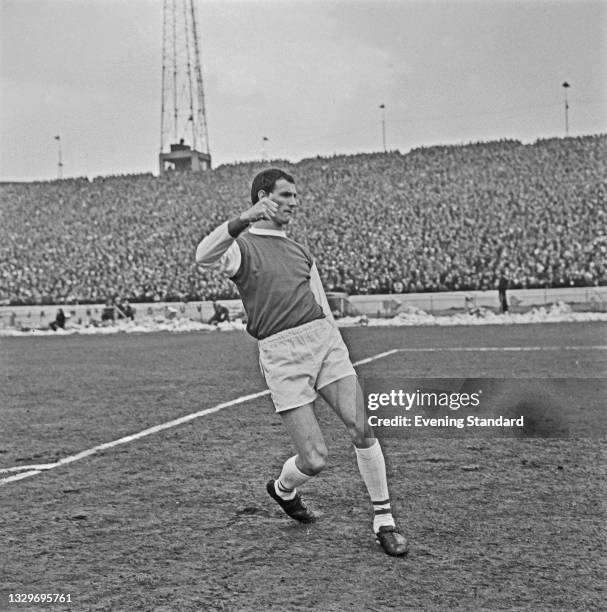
(301, 352)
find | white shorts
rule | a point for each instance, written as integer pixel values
(297, 362)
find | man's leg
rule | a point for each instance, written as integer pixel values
(346, 398)
(307, 437)
(310, 459)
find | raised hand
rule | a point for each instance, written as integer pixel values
(264, 209)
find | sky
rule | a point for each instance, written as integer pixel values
(308, 75)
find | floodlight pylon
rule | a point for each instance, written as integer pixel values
(184, 140)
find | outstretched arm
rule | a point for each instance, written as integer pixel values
(219, 250)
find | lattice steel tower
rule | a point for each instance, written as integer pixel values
(184, 141)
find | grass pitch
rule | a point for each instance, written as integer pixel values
(180, 520)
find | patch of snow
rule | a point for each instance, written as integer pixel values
(408, 317)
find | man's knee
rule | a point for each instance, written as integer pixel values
(314, 460)
(356, 430)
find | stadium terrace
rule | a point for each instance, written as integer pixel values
(436, 219)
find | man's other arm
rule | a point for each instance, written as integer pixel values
(319, 293)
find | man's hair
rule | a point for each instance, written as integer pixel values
(266, 181)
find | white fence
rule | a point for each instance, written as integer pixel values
(381, 305)
(591, 298)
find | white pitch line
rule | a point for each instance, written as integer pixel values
(475, 349)
(36, 469)
(374, 357)
(20, 476)
(20, 468)
(32, 470)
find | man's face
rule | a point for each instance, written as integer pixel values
(285, 195)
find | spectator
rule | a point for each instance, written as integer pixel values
(59, 322)
(124, 310)
(128, 310)
(220, 315)
(502, 286)
(108, 314)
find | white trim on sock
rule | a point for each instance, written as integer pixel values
(285, 494)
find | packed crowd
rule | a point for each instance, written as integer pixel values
(436, 219)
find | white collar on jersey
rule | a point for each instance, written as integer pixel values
(260, 231)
